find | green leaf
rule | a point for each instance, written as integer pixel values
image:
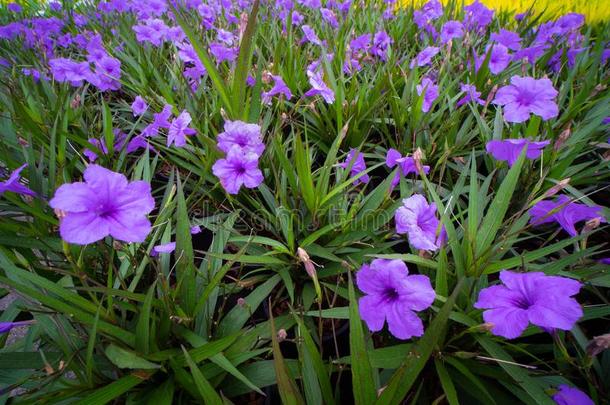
(446, 383)
(205, 389)
(362, 372)
(498, 207)
(113, 390)
(143, 325)
(401, 382)
(286, 385)
(244, 61)
(529, 385)
(126, 359)
(302, 163)
(185, 268)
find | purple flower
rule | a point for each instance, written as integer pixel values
(164, 248)
(509, 39)
(431, 93)
(424, 57)
(394, 296)
(246, 137)
(105, 204)
(237, 169)
(279, 88)
(509, 149)
(319, 87)
(471, 95)
(179, 130)
(6, 327)
(477, 16)
(567, 23)
(545, 301)
(450, 30)
(571, 396)
(530, 54)
(67, 70)
(418, 220)
(12, 184)
(527, 95)
(310, 36)
(498, 60)
(223, 53)
(329, 16)
(139, 106)
(406, 164)
(381, 45)
(14, 8)
(565, 212)
(355, 161)
(195, 229)
(360, 43)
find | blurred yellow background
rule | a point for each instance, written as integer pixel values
(594, 10)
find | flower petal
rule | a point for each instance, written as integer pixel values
(82, 228)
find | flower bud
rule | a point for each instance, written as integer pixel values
(591, 224)
(598, 345)
(281, 335)
(557, 188)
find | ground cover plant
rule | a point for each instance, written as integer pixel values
(303, 201)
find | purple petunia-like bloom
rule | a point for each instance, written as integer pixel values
(525, 96)
(381, 45)
(246, 137)
(499, 59)
(237, 169)
(163, 248)
(105, 204)
(139, 106)
(567, 213)
(451, 30)
(545, 301)
(394, 296)
(418, 220)
(571, 396)
(405, 163)
(477, 16)
(179, 130)
(355, 160)
(12, 184)
(509, 149)
(431, 93)
(319, 87)
(472, 94)
(424, 57)
(509, 39)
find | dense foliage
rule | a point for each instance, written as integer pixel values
(307, 201)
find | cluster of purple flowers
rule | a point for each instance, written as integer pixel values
(100, 69)
(243, 145)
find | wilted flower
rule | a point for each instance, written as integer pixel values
(393, 295)
(12, 184)
(279, 88)
(471, 95)
(406, 165)
(545, 301)
(246, 137)
(237, 169)
(381, 45)
(355, 160)
(139, 106)
(418, 220)
(527, 95)
(431, 93)
(425, 56)
(319, 87)
(6, 327)
(179, 130)
(566, 213)
(571, 396)
(164, 248)
(509, 149)
(105, 204)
